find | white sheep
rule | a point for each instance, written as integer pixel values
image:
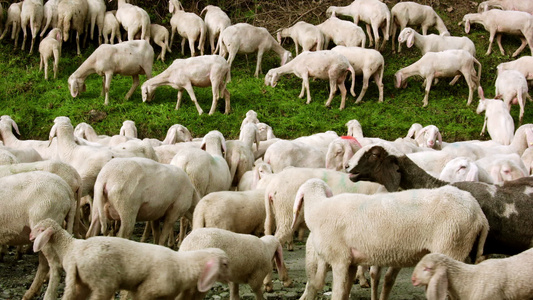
(7, 128)
(265, 131)
(246, 38)
(100, 266)
(303, 34)
(13, 21)
(95, 16)
(340, 151)
(128, 129)
(435, 43)
(72, 15)
(511, 86)
(134, 19)
(111, 28)
(202, 71)
(251, 118)
(32, 14)
(250, 179)
(324, 64)
(410, 13)
(446, 63)
(504, 278)
(519, 5)
(177, 133)
(498, 21)
(346, 231)
(368, 62)
(426, 137)
(48, 47)
(160, 36)
(216, 20)
(503, 167)
(128, 58)
(189, 26)
(285, 153)
(464, 169)
(498, 121)
(50, 16)
(374, 13)
(523, 65)
(239, 153)
(250, 258)
(341, 32)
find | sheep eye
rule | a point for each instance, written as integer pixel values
(427, 269)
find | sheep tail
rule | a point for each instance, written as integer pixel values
(481, 238)
(219, 45)
(387, 30)
(99, 218)
(269, 219)
(201, 45)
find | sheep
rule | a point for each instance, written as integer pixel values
(340, 151)
(498, 120)
(506, 5)
(50, 16)
(51, 45)
(159, 35)
(72, 14)
(246, 38)
(100, 266)
(368, 62)
(509, 217)
(341, 32)
(373, 12)
(324, 64)
(239, 153)
(409, 13)
(87, 132)
(251, 118)
(250, 257)
(505, 278)
(13, 20)
(251, 179)
(426, 137)
(23, 155)
(128, 129)
(354, 236)
(111, 28)
(128, 59)
(511, 86)
(265, 131)
(442, 64)
(31, 13)
(133, 19)
(306, 35)
(28, 198)
(498, 21)
(125, 190)
(503, 167)
(523, 65)
(464, 169)
(285, 153)
(202, 71)
(177, 133)
(433, 42)
(44, 149)
(188, 25)
(216, 20)
(95, 16)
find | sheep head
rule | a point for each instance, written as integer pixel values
(271, 78)
(407, 36)
(398, 80)
(76, 86)
(431, 272)
(147, 92)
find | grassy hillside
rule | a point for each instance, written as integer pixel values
(34, 102)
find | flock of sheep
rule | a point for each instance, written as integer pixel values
(244, 199)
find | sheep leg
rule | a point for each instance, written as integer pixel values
(491, 39)
(107, 85)
(191, 46)
(342, 88)
(522, 46)
(352, 271)
(471, 85)
(180, 95)
(366, 78)
(40, 276)
(234, 291)
(499, 42)
(484, 127)
(378, 79)
(258, 65)
(388, 282)
(134, 86)
(332, 90)
(429, 81)
(360, 276)
(214, 91)
(183, 40)
(316, 270)
(340, 276)
(370, 38)
(190, 90)
(375, 275)
(227, 100)
(24, 35)
(454, 80)
(56, 62)
(78, 42)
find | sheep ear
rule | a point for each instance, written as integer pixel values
(297, 208)
(171, 137)
(209, 275)
(42, 239)
(348, 153)
(398, 80)
(473, 173)
(495, 174)
(467, 26)
(170, 7)
(438, 285)
(410, 40)
(391, 175)
(278, 257)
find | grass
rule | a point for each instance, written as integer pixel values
(34, 102)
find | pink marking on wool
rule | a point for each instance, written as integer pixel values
(351, 139)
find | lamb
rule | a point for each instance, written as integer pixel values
(442, 64)
(511, 86)
(32, 13)
(505, 278)
(498, 21)
(523, 65)
(303, 34)
(409, 13)
(111, 28)
(340, 151)
(13, 20)
(51, 45)
(322, 64)
(498, 120)
(133, 19)
(72, 14)
(509, 217)
(100, 266)
(354, 236)
(341, 32)
(188, 25)
(368, 62)
(216, 20)
(373, 12)
(50, 16)
(246, 38)
(433, 42)
(128, 59)
(426, 137)
(506, 5)
(250, 257)
(159, 35)
(202, 71)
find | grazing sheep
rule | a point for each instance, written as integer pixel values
(509, 217)
(111, 28)
(435, 43)
(373, 12)
(246, 38)
(160, 36)
(505, 278)
(13, 20)
(216, 20)
(446, 63)
(498, 121)
(250, 257)
(503, 167)
(523, 65)
(31, 13)
(410, 13)
(100, 266)
(497, 22)
(188, 25)
(50, 46)
(128, 59)
(511, 86)
(367, 62)
(306, 35)
(202, 71)
(72, 14)
(324, 64)
(341, 32)
(177, 133)
(134, 19)
(346, 231)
